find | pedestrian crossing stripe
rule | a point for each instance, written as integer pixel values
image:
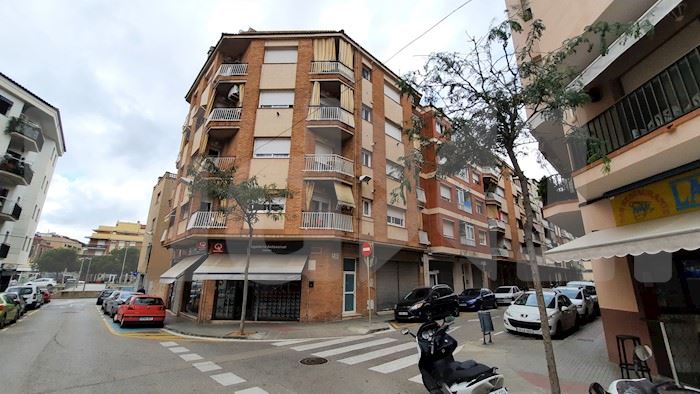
(332, 342)
(357, 346)
(360, 358)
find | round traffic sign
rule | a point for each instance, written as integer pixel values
(366, 249)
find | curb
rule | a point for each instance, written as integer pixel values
(185, 334)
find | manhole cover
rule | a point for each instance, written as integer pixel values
(313, 361)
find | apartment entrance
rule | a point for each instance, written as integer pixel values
(349, 285)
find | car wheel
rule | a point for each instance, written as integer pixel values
(558, 331)
(455, 313)
(427, 316)
(2, 323)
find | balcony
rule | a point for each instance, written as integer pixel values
(233, 69)
(332, 67)
(558, 189)
(221, 162)
(497, 225)
(492, 172)
(500, 252)
(561, 204)
(329, 163)
(669, 95)
(492, 197)
(25, 135)
(320, 114)
(14, 171)
(207, 220)
(225, 115)
(4, 250)
(467, 241)
(9, 210)
(326, 221)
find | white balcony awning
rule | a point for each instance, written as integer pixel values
(263, 267)
(344, 195)
(669, 234)
(179, 269)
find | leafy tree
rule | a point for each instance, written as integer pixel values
(491, 93)
(112, 263)
(57, 260)
(240, 199)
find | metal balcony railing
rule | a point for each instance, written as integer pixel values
(557, 189)
(18, 167)
(222, 162)
(326, 221)
(225, 114)
(500, 252)
(28, 129)
(332, 67)
(329, 163)
(496, 224)
(227, 70)
(207, 220)
(666, 97)
(331, 113)
(10, 209)
(467, 241)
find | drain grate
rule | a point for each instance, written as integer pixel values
(313, 361)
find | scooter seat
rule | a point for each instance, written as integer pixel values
(466, 371)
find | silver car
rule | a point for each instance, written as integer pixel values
(523, 315)
(112, 303)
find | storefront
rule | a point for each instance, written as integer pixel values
(395, 279)
(179, 294)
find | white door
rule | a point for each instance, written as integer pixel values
(349, 271)
(434, 278)
(324, 161)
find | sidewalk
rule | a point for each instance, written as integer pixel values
(278, 330)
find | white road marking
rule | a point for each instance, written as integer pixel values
(357, 346)
(455, 328)
(393, 366)
(252, 390)
(168, 344)
(227, 379)
(179, 349)
(291, 342)
(378, 353)
(4, 329)
(191, 357)
(418, 379)
(472, 320)
(332, 342)
(498, 333)
(206, 366)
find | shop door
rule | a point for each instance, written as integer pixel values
(277, 301)
(228, 298)
(387, 285)
(349, 273)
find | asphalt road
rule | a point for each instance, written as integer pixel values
(69, 347)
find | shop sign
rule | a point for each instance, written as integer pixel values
(673, 196)
(218, 247)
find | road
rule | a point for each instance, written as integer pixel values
(68, 347)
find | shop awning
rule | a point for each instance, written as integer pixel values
(272, 267)
(180, 268)
(669, 234)
(344, 195)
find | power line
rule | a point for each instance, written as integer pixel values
(427, 31)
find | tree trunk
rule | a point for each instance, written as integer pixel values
(241, 329)
(544, 320)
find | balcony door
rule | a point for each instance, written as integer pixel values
(320, 204)
(323, 158)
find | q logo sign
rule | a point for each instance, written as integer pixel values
(218, 247)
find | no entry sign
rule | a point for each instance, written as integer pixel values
(366, 249)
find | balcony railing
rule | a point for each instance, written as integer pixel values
(496, 224)
(331, 67)
(329, 163)
(225, 114)
(28, 129)
(4, 250)
(491, 171)
(326, 221)
(331, 113)
(9, 209)
(557, 189)
(420, 194)
(500, 252)
(222, 162)
(666, 97)
(18, 167)
(227, 70)
(207, 220)
(467, 241)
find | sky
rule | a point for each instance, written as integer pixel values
(118, 71)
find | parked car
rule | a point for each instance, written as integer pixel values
(113, 303)
(477, 299)
(46, 294)
(580, 298)
(19, 300)
(31, 294)
(9, 311)
(590, 288)
(103, 295)
(112, 296)
(523, 315)
(43, 283)
(427, 303)
(507, 294)
(141, 309)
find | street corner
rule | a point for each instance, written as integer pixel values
(135, 331)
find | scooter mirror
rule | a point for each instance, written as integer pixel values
(449, 319)
(643, 352)
(405, 331)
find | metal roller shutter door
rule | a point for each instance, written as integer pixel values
(387, 285)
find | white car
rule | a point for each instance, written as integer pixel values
(507, 294)
(579, 297)
(31, 294)
(590, 289)
(42, 283)
(523, 315)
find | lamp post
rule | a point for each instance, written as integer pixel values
(121, 279)
(87, 273)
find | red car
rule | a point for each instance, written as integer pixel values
(47, 296)
(141, 308)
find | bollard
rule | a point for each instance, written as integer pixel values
(486, 325)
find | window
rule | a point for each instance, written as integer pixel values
(448, 228)
(464, 200)
(439, 127)
(34, 213)
(276, 98)
(280, 55)
(367, 208)
(476, 177)
(158, 197)
(5, 105)
(466, 233)
(504, 217)
(38, 213)
(271, 147)
(366, 157)
(393, 170)
(276, 205)
(101, 242)
(392, 130)
(445, 192)
(366, 73)
(366, 113)
(184, 211)
(43, 183)
(395, 216)
(482, 237)
(463, 174)
(500, 192)
(392, 92)
(24, 245)
(479, 207)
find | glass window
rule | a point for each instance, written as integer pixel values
(504, 217)
(466, 232)
(366, 73)
(393, 170)
(392, 92)
(192, 295)
(446, 192)
(366, 208)
(392, 130)
(271, 147)
(276, 98)
(464, 200)
(148, 301)
(280, 55)
(463, 174)
(479, 207)
(184, 211)
(476, 177)
(5, 105)
(531, 300)
(482, 237)
(439, 127)
(366, 158)
(366, 113)
(417, 294)
(448, 228)
(349, 265)
(395, 216)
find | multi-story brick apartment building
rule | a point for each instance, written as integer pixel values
(104, 238)
(641, 219)
(47, 241)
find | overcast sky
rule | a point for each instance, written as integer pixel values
(118, 71)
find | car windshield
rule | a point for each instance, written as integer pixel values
(503, 289)
(125, 295)
(17, 290)
(417, 294)
(530, 299)
(569, 292)
(471, 292)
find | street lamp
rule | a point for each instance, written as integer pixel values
(87, 273)
(126, 250)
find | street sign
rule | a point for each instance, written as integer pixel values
(366, 249)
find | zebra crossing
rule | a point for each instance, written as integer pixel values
(380, 355)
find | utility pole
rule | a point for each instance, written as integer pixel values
(87, 273)
(126, 250)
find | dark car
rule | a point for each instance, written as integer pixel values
(104, 294)
(477, 299)
(427, 303)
